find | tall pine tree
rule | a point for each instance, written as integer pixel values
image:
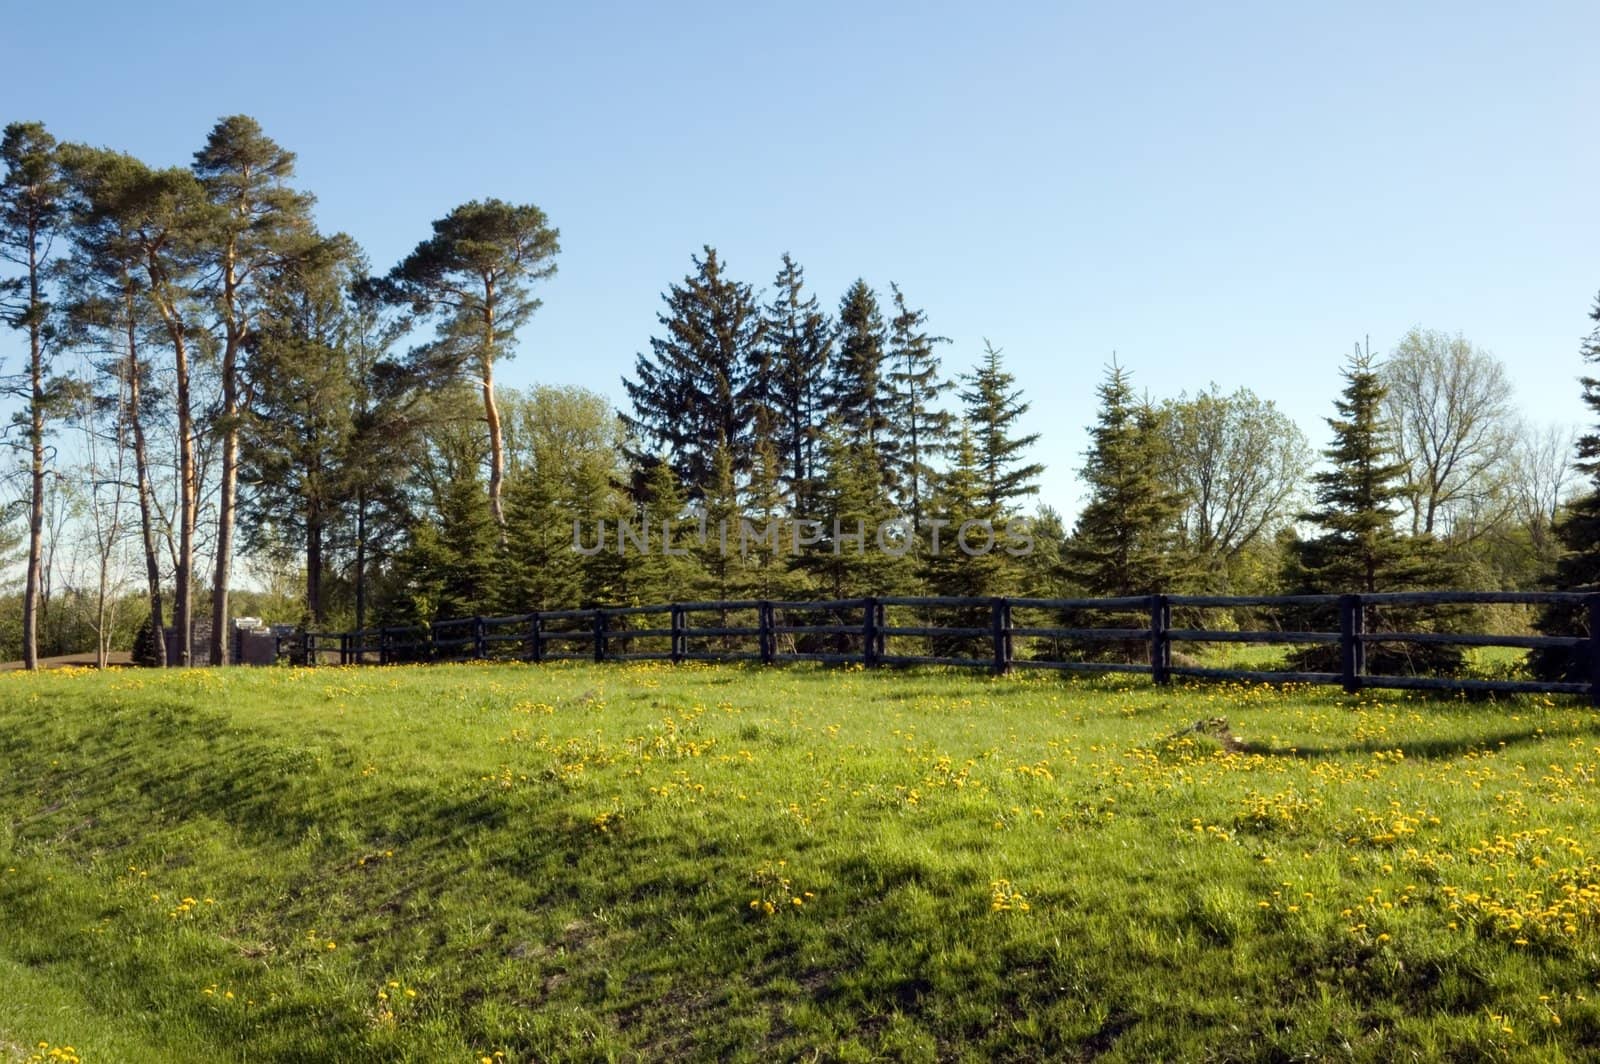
(475, 278)
(257, 224)
(109, 306)
(32, 212)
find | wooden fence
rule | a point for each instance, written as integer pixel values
(985, 634)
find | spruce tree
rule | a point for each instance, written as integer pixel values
(539, 570)
(969, 559)
(449, 569)
(692, 390)
(297, 431)
(665, 572)
(1125, 539)
(765, 509)
(852, 500)
(921, 428)
(800, 341)
(993, 407)
(1578, 531)
(717, 549)
(1357, 547)
(858, 390)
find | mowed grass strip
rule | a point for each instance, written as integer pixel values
(573, 862)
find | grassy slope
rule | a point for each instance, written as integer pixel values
(572, 862)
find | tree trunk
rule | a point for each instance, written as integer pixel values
(141, 472)
(228, 490)
(361, 559)
(188, 482)
(314, 568)
(188, 503)
(227, 505)
(491, 414)
(30, 594)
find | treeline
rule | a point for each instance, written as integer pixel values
(207, 375)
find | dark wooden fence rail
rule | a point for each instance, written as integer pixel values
(859, 631)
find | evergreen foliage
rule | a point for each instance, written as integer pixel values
(1125, 541)
(692, 391)
(921, 427)
(1357, 547)
(474, 277)
(994, 405)
(859, 395)
(799, 350)
(851, 505)
(969, 559)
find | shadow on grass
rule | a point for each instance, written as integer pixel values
(1422, 750)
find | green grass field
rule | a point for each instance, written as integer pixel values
(516, 863)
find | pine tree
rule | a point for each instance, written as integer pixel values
(921, 428)
(1358, 549)
(475, 277)
(693, 389)
(1578, 531)
(110, 310)
(32, 211)
(993, 407)
(1125, 539)
(799, 353)
(256, 225)
(858, 392)
(163, 214)
(386, 434)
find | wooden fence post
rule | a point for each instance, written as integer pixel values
(535, 637)
(768, 638)
(871, 630)
(480, 638)
(599, 635)
(1594, 649)
(679, 640)
(1352, 649)
(1160, 643)
(384, 637)
(1000, 633)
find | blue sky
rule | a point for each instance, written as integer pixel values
(1233, 193)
